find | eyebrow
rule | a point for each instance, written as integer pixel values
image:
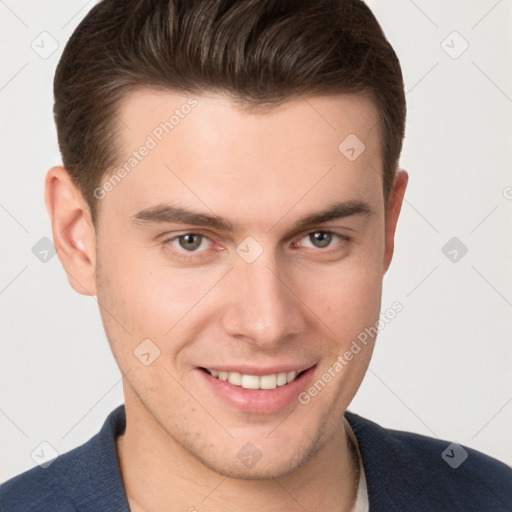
(165, 213)
(335, 211)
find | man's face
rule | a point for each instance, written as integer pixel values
(209, 249)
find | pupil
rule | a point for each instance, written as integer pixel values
(190, 242)
(320, 239)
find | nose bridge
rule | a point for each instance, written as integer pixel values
(262, 308)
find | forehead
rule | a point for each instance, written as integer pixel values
(158, 113)
(206, 151)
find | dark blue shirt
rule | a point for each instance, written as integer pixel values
(404, 472)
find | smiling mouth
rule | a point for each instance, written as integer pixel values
(245, 381)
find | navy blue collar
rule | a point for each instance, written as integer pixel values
(404, 471)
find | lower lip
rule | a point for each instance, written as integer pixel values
(258, 401)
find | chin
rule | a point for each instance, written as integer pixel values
(251, 463)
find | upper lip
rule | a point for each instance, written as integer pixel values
(245, 369)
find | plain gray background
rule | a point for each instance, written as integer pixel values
(440, 368)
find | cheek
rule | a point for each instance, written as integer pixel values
(350, 309)
(145, 298)
(348, 313)
(345, 297)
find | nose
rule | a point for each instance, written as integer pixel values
(261, 308)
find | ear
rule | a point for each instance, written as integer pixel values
(396, 197)
(73, 231)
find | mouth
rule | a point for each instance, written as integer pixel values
(256, 390)
(247, 381)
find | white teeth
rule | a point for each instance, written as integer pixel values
(291, 376)
(268, 381)
(250, 382)
(235, 378)
(281, 378)
(254, 381)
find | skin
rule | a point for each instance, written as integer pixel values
(296, 303)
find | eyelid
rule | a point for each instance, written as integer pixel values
(335, 247)
(334, 232)
(214, 249)
(176, 234)
(175, 237)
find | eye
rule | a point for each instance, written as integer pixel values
(321, 239)
(190, 242)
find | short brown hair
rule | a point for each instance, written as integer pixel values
(260, 52)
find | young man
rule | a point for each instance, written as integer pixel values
(230, 194)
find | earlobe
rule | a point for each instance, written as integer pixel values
(73, 231)
(396, 197)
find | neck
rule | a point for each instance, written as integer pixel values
(158, 474)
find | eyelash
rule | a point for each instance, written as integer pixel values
(189, 255)
(330, 248)
(182, 254)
